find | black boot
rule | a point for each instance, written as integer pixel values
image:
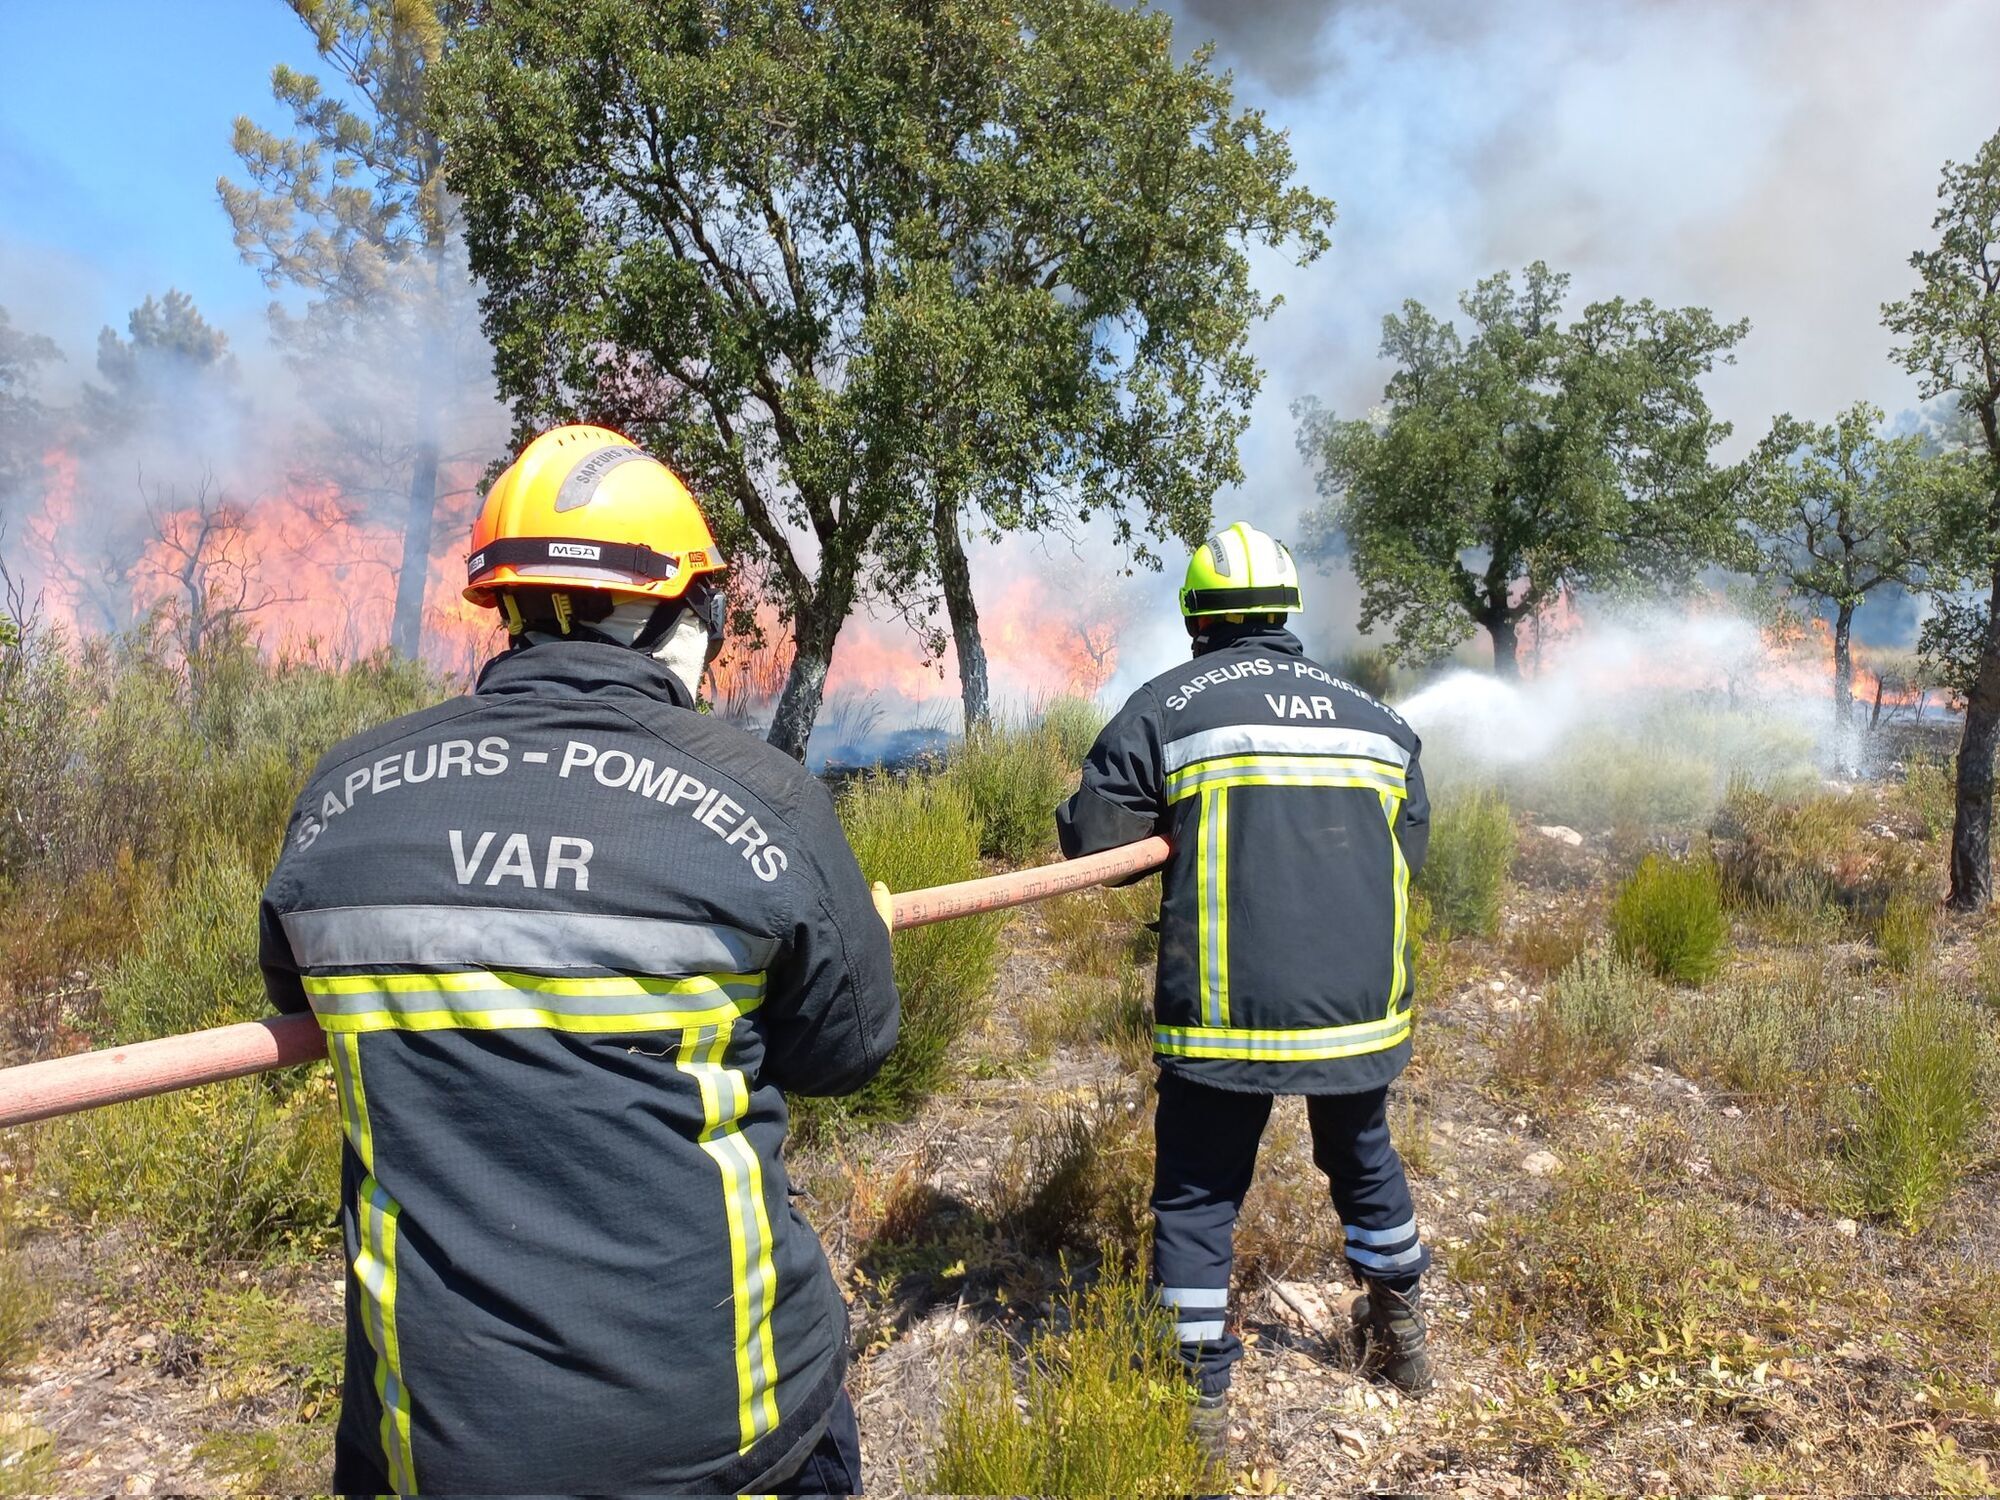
(1211, 1428)
(1390, 1339)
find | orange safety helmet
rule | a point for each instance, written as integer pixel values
(584, 508)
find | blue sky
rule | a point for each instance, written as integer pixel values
(114, 124)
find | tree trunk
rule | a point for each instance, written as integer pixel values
(1972, 822)
(406, 633)
(1844, 749)
(815, 628)
(964, 612)
(1506, 647)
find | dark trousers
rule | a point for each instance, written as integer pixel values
(1206, 1143)
(832, 1468)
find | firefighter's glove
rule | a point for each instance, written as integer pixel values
(885, 904)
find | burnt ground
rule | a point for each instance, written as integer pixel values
(1731, 1328)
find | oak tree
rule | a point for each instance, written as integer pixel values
(875, 275)
(1523, 459)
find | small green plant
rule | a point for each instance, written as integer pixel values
(1916, 1122)
(1073, 724)
(1100, 1407)
(1544, 946)
(908, 834)
(1586, 1028)
(1668, 916)
(1077, 1175)
(1012, 781)
(1906, 931)
(24, 1304)
(1789, 1034)
(229, 1169)
(196, 965)
(1928, 794)
(263, 1354)
(1471, 848)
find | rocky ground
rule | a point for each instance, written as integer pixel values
(1703, 1326)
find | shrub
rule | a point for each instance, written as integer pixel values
(1905, 931)
(1669, 917)
(1370, 668)
(913, 833)
(1101, 1407)
(1587, 1027)
(1077, 1175)
(1012, 781)
(1792, 1033)
(1472, 845)
(270, 1357)
(1916, 1124)
(24, 1304)
(225, 1170)
(1929, 794)
(1805, 857)
(1073, 724)
(196, 966)
(1544, 946)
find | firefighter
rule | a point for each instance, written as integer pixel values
(568, 940)
(1297, 817)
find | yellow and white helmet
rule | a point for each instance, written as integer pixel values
(1241, 571)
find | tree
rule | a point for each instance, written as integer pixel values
(168, 374)
(1950, 332)
(22, 418)
(353, 209)
(872, 273)
(1840, 511)
(1528, 460)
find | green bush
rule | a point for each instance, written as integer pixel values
(1929, 794)
(1471, 848)
(1012, 781)
(909, 834)
(24, 1304)
(1916, 1124)
(1790, 1034)
(1073, 723)
(226, 1170)
(196, 964)
(1668, 916)
(1077, 1175)
(1906, 931)
(1590, 1024)
(1101, 1407)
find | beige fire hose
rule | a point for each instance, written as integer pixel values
(64, 1085)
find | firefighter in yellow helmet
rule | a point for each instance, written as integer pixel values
(570, 941)
(1296, 812)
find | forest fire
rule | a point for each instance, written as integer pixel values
(306, 568)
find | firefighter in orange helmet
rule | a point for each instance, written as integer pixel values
(570, 942)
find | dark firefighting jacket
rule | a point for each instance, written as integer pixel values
(1296, 813)
(568, 940)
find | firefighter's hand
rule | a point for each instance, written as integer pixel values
(885, 904)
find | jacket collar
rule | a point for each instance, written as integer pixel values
(574, 669)
(1262, 637)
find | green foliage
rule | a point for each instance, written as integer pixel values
(1077, 1175)
(225, 1170)
(1101, 1407)
(1917, 1122)
(1841, 510)
(1471, 848)
(1928, 793)
(1013, 780)
(24, 1306)
(1906, 931)
(263, 1353)
(1791, 1034)
(1588, 1026)
(196, 965)
(1370, 668)
(1073, 723)
(1669, 917)
(908, 834)
(1572, 456)
(1813, 856)
(855, 267)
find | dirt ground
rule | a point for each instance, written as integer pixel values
(1863, 1369)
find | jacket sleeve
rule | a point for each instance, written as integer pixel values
(1413, 825)
(1123, 796)
(833, 1011)
(274, 957)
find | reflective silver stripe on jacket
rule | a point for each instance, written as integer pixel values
(1282, 739)
(506, 937)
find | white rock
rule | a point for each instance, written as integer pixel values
(1561, 833)
(1846, 1228)
(1541, 1164)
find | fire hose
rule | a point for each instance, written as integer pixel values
(65, 1085)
